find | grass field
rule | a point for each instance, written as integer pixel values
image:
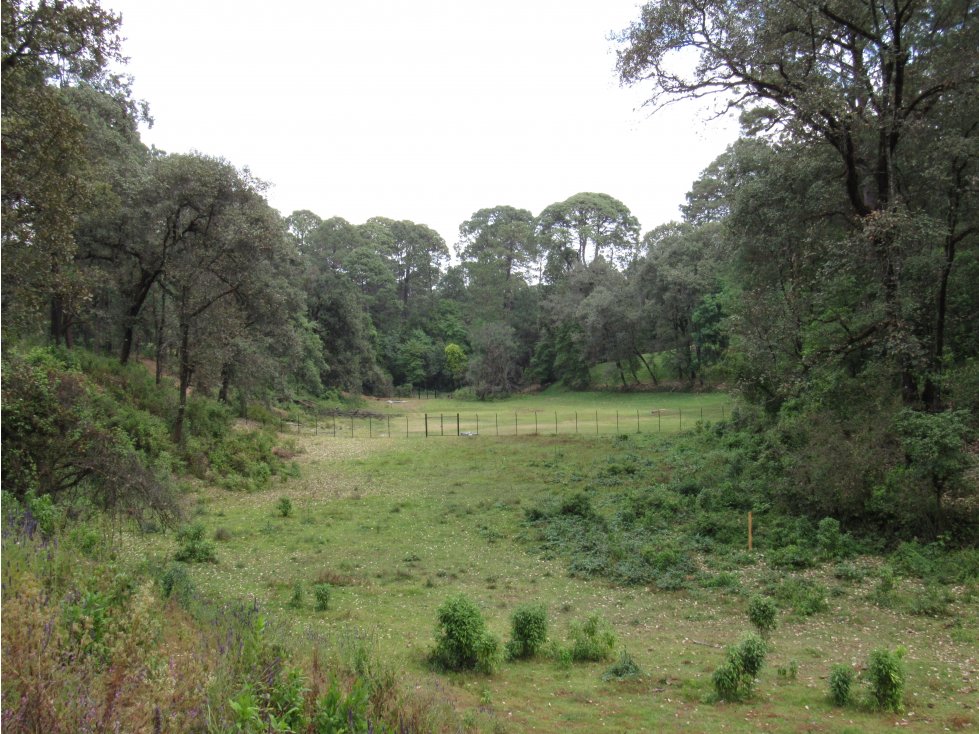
(552, 412)
(398, 526)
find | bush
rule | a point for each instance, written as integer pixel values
(194, 548)
(296, 600)
(804, 597)
(339, 714)
(625, 668)
(885, 672)
(284, 507)
(461, 639)
(763, 613)
(321, 592)
(592, 640)
(175, 583)
(529, 631)
(840, 683)
(735, 677)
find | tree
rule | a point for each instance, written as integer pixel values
(497, 247)
(889, 86)
(47, 45)
(585, 222)
(493, 367)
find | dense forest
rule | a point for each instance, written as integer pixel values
(825, 272)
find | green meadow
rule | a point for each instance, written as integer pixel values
(394, 527)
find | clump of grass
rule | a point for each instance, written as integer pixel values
(625, 668)
(296, 600)
(321, 593)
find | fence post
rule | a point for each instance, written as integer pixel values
(516, 429)
(701, 413)
(497, 418)
(458, 433)
(596, 422)
(576, 422)
(535, 422)
(426, 425)
(316, 426)
(441, 424)
(637, 422)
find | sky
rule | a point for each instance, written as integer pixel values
(427, 110)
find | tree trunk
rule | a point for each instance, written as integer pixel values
(186, 372)
(226, 370)
(650, 371)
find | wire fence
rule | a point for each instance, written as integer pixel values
(515, 423)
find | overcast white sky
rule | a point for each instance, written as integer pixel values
(425, 110)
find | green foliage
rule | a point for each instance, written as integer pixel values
(175, 583)
(625, 668)
(528, 631)
(763, 614)
(804, 597)
(194, 547)
(284, 507)
(734, 679)
(337, 713)
(592, 640)
(840, 682)
(886, 676)
(462, 641)
(287, 704)
(296, 600)
(321, 593)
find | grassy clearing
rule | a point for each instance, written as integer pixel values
(397, 527)
(552, 412)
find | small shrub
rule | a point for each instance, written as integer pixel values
(284, 507)
(831, 541)
(321, 592)
(529, 631)
(222, 534)
(846, 571)
(735, 677)
(790, 671)
(175, 583)
(296, 600)
(885, 672)
(592, 640)
(193, 547)
(625, 668)
(728, 682)
(804, 597)
(763, 613)
(840, 683)
(461, 639)
(336, 713)
(750, 655)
